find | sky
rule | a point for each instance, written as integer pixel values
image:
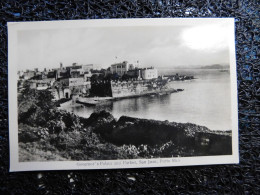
(161, 47)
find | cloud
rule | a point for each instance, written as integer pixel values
(165, 46)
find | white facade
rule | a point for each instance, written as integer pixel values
(72, 82)
(60, 93)
(89, 67)
(87, 84)
(80, 70)
(42, 86)
(149, 73)
(76, 81)
(120, 68)
(87, 76)
(29, 74)
(67, 93)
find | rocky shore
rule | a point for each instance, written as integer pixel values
(69, 137)
(195, 140)
(46, 133)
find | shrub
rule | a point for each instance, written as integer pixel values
(27, 133)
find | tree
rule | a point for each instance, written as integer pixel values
(34, 106)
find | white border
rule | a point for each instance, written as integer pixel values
(15, 165)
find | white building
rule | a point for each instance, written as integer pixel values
(87, 75)
(87, 67)
(28, 74)
(149, 73)
(120, 68)
(80, 71)
(41, 84)
(72, 82)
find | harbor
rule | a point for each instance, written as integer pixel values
(171, 107)
(93, 101)
(124, 88)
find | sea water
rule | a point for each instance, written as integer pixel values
(205, 101)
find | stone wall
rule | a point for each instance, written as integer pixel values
(101, 88)
(132, 88)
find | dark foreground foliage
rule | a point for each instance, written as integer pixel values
(46, 133)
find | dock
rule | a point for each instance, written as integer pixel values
(93, 101)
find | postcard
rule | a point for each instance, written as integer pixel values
(122, 93)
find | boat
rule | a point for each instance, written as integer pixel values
(180, 89)
(92, 101)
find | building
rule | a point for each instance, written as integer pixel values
(83, 68)
(87, 76)
(72, 82)
(88, 67)
(62, 72)
(75, 74)
(135, 73)
(120, 68)
(19, 74)
(60, 93)
(80, 69)
(66, 87)
(52, 74)
(134, 65)
(126, 88)
(28, 74)
(123, 67)
(149, 73)
(41, 84)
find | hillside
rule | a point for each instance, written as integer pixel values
(215, 66)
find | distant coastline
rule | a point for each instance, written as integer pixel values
(211, 66)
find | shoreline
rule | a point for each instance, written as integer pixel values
(47, 134)
(102, 137)
(222, 131)
(92, 101)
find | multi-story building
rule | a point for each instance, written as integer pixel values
(42, 83)
(28, 74)
(87, 76)
(120, 68)
(135, 73)
(62, 72)
(149, 73)
(88, 67)
(72, 82)
(123, 67)
(81, 69)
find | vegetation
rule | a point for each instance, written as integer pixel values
(47, 134)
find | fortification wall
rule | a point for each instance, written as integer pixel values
(133, 88)
(101, 88)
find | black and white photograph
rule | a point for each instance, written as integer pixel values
(122, 93)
